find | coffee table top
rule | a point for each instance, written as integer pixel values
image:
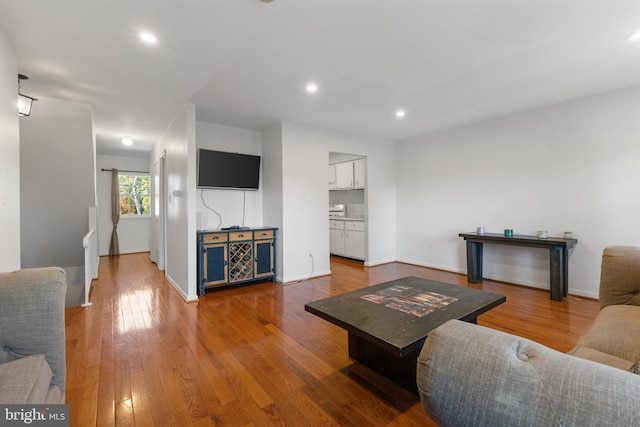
(398, 315)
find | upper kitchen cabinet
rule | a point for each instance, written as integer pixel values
(333, 181)
(344, 175)
(358, 173)
(347, 175)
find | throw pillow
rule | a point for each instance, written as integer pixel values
(636, 367)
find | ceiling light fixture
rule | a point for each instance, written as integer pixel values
(148, 38)
(634, 37)
(127, 140)
(24, 101)
(312, 88)
(401, 113)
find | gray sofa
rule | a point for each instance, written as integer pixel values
(469, 375)
(32, 336)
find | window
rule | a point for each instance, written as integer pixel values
(134, 195)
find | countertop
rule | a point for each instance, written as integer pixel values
(344, 218)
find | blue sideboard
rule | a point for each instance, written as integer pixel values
(229, 257)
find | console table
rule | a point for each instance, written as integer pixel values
(558, 257)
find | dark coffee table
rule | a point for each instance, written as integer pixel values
(388, 323)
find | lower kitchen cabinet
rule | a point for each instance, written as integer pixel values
(228, 257)
(354, 244)
(336, 237)
(347, 238)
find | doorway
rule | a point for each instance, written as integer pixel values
(157, 243)
(348, 230)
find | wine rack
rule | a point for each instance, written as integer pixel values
(240, 262)
(229, 257)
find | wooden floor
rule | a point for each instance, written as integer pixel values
(251, 355)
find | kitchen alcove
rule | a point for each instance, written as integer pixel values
(348, 187)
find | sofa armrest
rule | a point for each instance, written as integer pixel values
(32, 305)
(472, 375)
(620, 276)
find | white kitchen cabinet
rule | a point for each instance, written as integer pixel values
(336, 237)
(347, 238)
(354, 239)
(347, 175)
(344, 175)
(358, 173)
(333, 184)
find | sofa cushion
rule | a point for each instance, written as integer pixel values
(25, 380)
(615, 331)
(55, 396)
(32, 321)
(600, 357)
(620, 276)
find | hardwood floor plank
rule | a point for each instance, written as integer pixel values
(105, 411)
(251, 355)
(297, 354)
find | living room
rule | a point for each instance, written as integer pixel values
(562, 162)
(559, 164)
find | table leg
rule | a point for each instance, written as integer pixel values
(474, 261)
(556, 287)
(565, 271)
(400, 370)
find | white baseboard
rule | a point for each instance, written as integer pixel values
(378, 262)
(290, 279)
(180, 290)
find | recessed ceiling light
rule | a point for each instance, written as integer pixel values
(148, 38)
(401, 113)
(127, 140)
(312, 88)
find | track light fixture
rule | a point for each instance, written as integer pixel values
(24, 101)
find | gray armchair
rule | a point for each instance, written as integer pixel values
(469, 375)
(32, 336)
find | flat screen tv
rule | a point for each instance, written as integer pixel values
(234, 171)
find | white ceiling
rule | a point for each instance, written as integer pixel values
(245, 63)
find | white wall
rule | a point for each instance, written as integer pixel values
(305, 224)
(134, 232)
(272, 198)
(57, 179)
(294, 192)
(568, 167)
(236, 207)
(179, 144)
(9, 159)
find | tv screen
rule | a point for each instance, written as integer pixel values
(220, 169)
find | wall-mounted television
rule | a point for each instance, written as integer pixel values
(233, 171)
